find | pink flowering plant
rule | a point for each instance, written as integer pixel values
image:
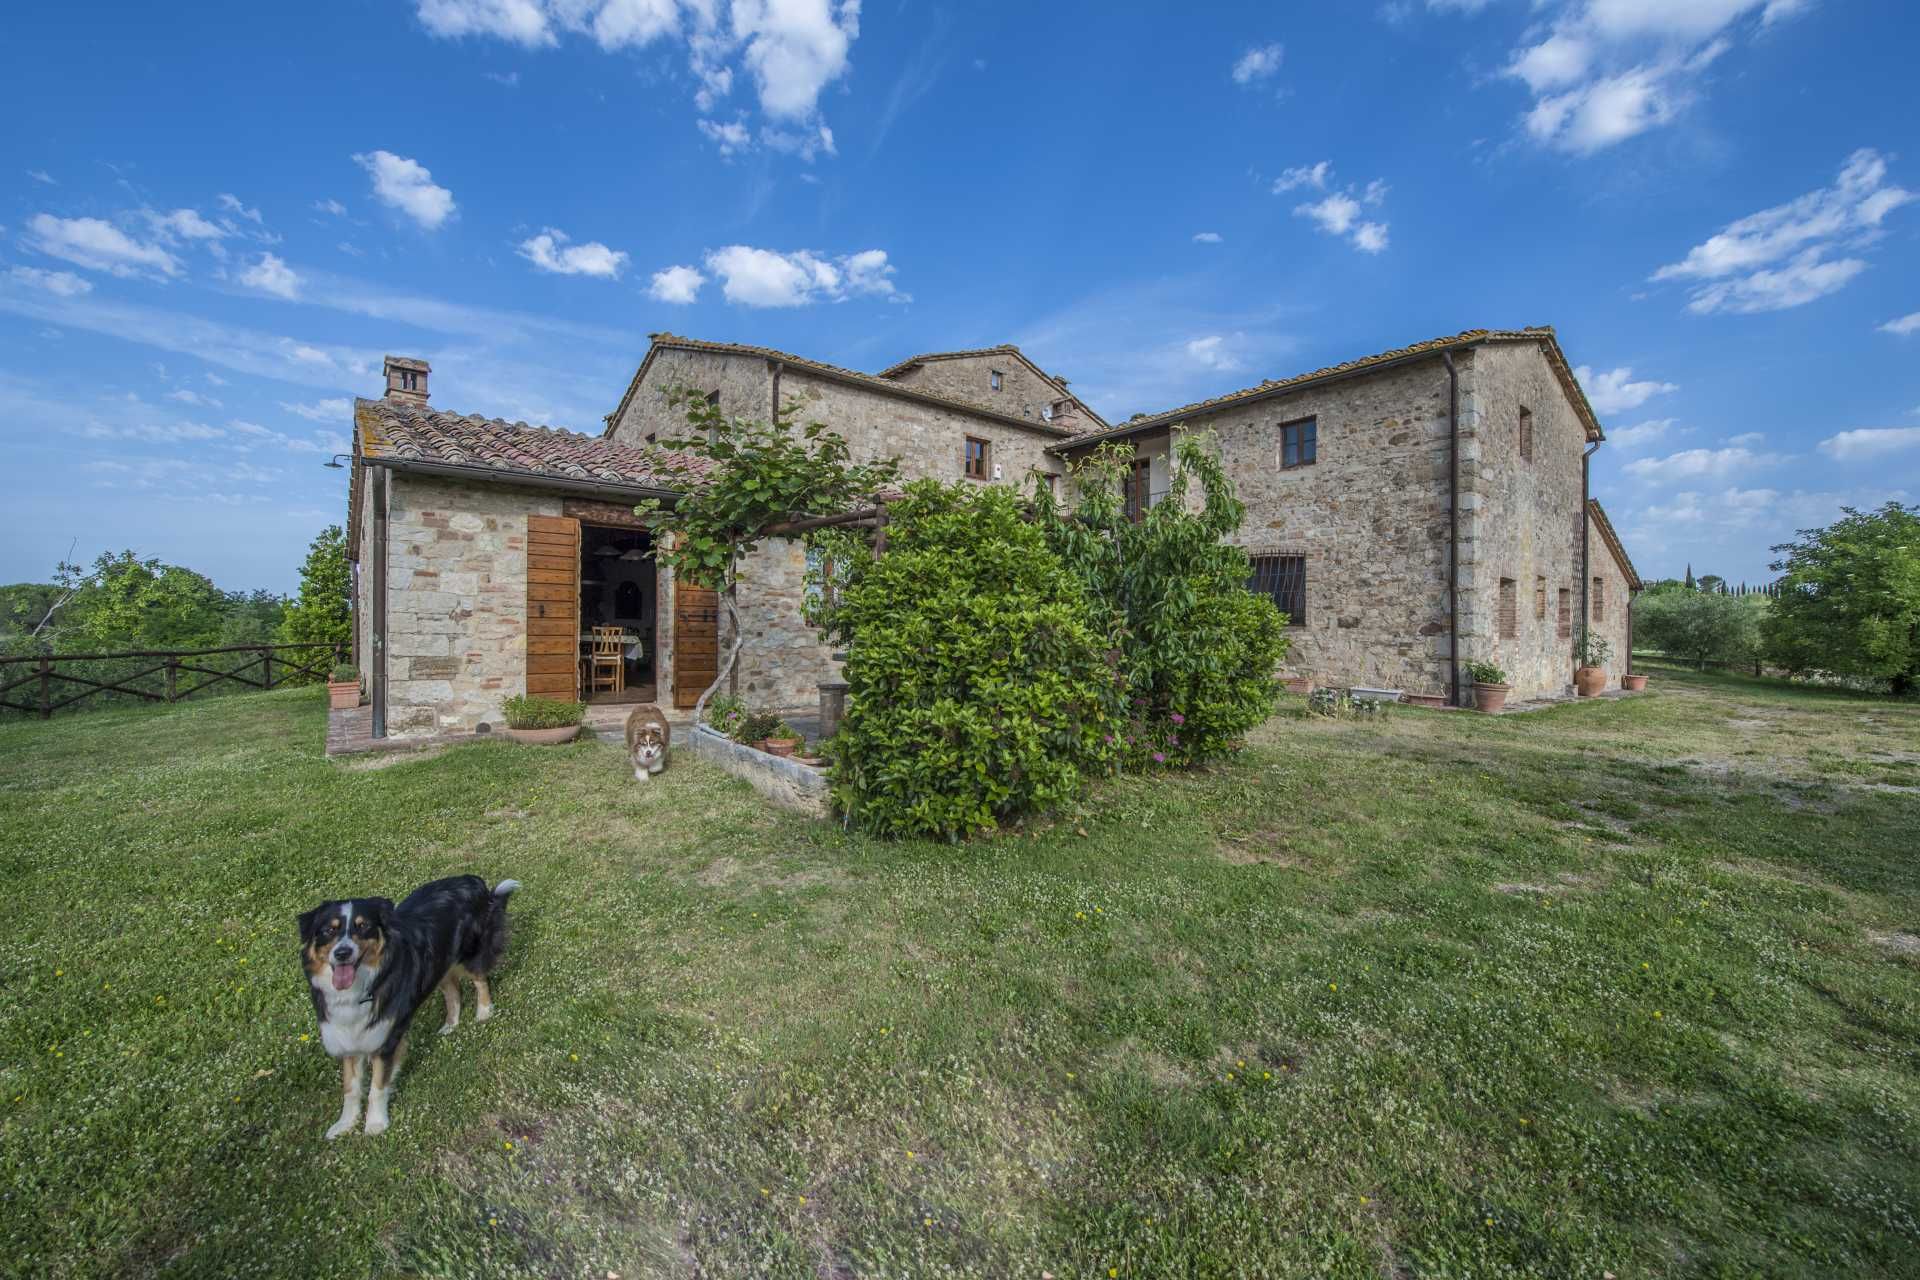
(1198, 650)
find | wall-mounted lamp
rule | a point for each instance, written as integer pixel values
(336, 464)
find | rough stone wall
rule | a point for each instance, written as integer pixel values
(1615, 593)
(456, 601)
(782, 661)
(1370, 517)
(1520, 520)
(1022, 393)
(745, 384)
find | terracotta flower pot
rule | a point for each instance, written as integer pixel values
(1490, 697)
(545, 737)
(1302, 685)
(1633, 683)
(779, 746)
(343, 695)
(1590, 681)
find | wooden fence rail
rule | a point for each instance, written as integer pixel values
(259, 671)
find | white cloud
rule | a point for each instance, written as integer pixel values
(1370, 237)
(1258, 63)
(730, 138)
(765, 278)
(1211, 352)
(1307, 175)
(41, 175)
(231, 204)
(214, 379)
(1615, 391)
(679, 285)
(1905, 325)
(801, 142)
(184, 224)
(511, 79)
(1641, 434)
(99, 246)
(1783, 257)
(271, 275)
(550, 252)
(795, 49)
(1602, 71)
(522, 22)
(1206, 237)
(64, 283)
(1746, 437)
(1696, 464)
(1870, 442)
(408, 186)
(335, 410)
(333, 207)
(187, 396)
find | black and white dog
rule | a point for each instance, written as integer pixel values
(370, 964)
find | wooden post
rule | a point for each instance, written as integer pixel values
(880, 524)
(173, 678)
(46, 688)
(266, 666)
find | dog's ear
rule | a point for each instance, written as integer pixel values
(381, 909)
(307, 918)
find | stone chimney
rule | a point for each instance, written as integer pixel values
(407, 379)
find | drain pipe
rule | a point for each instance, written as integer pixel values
(1586, 524)
(1453, 528)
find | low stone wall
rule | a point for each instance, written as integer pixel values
(781, 781)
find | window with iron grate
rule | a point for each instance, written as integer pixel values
(1283, 579)
(1509, 608)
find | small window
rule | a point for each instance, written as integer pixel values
(822, 580)
(1049, 478)
(1299, 444)
(995, 378)
(1509, 608)
(407, 382)
(1539, 599)
(976, 464)
(1283, 579)
(1526, 434)
(1564, 627)
(652, 436)
(1598, 600)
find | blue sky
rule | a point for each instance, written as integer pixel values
(214, 220)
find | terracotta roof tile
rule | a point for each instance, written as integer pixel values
(1433, 346)
(413, 432)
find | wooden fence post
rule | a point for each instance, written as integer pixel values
(46, 688)
(266, 667)
(173, 678)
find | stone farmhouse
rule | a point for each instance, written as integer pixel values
(1403, 509)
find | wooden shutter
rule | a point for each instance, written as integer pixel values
(696, 641)
(553, 607)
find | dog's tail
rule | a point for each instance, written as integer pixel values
(493, 927)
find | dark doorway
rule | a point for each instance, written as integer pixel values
(619, 587)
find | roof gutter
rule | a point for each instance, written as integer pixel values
(522, 479)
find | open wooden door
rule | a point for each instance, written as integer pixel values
(696, 642)
(553, 607)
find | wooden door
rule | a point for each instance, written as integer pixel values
(553, 607)
(696, 642)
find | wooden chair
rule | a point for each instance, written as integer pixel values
(607, 662)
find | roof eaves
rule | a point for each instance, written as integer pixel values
(1612, 539)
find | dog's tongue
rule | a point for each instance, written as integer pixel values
(342, 976)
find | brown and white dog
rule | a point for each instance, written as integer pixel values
(370, 964)
(647, 740)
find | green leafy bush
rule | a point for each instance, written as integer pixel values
(980, 686)
(344, 672)
(1849, 599)
(1485, 673)
(1200, 650)
(726, 713)
(524, 712)
(1592, 649)
(757, 726)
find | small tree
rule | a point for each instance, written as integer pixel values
(1699, 626)
(740, 479)
(1199, 649)
(1849, 598)
(324, 612)
(980, 685)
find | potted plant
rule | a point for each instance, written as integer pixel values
(1490, 687)
(1592, 652)
(725, 714)
(1633, 682)
(343, 688)
(755, 727)
(783, 741)
(542, 721)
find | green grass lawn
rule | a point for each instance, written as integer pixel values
(1626, 987)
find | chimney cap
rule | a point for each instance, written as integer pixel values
(409, 362)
